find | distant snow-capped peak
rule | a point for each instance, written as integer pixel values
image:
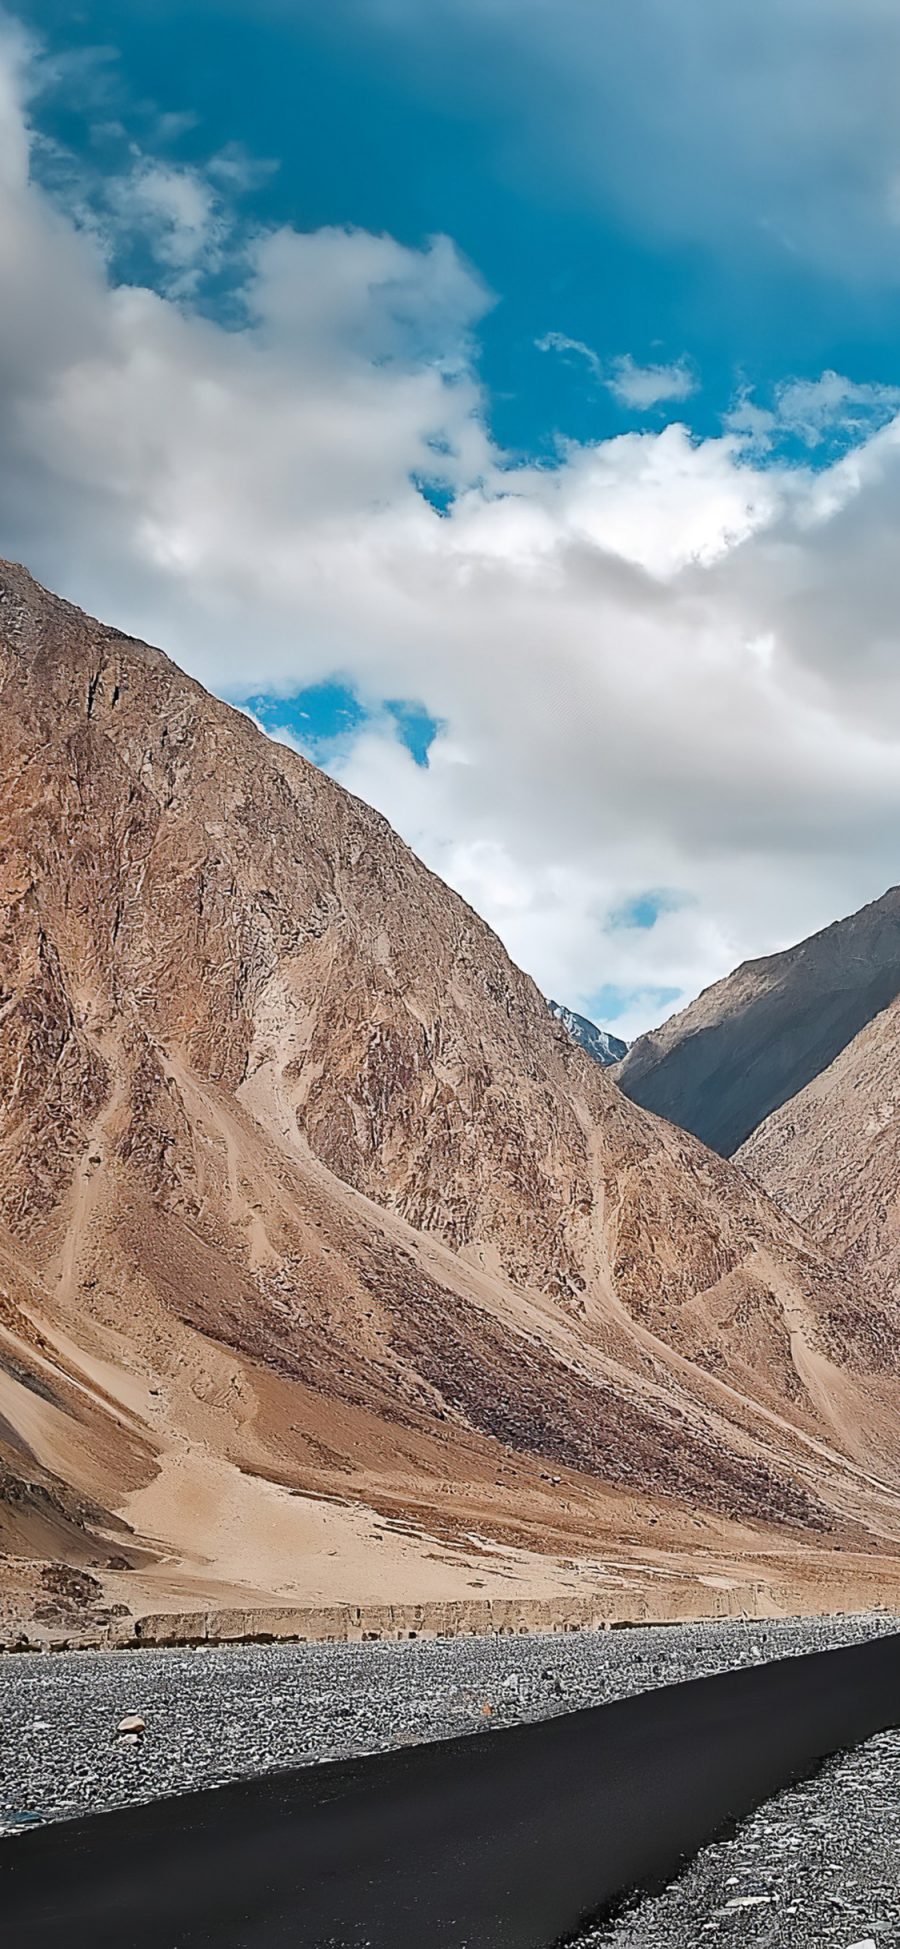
(604, 1048)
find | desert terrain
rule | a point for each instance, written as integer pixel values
(331, 1270)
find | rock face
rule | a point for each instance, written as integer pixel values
(750, 1042)
(831, 1156)
(330, 1268)
(599, 1043)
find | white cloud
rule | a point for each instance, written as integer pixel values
(639, 387)
(659, 662)
(175, 212)
(16, 60)
(830, 408)
(643, 386)
(169, 125)
(234, 167)
(560, 342)
(813, 408)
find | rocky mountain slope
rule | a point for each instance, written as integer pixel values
(330, 1268)
(750, 1042)
(604, 1047)
(831, 1156)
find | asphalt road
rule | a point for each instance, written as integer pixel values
(511, 1840)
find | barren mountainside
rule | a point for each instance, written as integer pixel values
(750, 1042)
(329, 1266)
(831, 1156)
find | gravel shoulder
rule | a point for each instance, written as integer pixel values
(219, 1713)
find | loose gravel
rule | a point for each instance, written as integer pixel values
(816, 1866)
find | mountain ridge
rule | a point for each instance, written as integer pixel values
(330, 1265)
(754, 1039)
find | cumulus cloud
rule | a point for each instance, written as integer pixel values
(657, 663)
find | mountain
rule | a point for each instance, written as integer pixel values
(598, 1043)
(331, 1269)
(752, 1041)
(831, 1155)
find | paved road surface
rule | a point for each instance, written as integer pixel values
(817, 1867)
(509, 1841)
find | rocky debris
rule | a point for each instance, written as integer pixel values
(40, 1600)
(73, 1589)
(131, 1728)
(221, 1712)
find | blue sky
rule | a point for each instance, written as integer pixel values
(382, 117)
(500, 402)
(326, 718)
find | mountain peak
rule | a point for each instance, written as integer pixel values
(604, 1047)
(752, 1040)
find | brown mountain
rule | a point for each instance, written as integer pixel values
(330, 1268)
(750, 1042)
(831, 1156)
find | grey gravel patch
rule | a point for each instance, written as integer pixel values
(816, 1868)
(217, 1714)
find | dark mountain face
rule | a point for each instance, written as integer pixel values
(749, 1043)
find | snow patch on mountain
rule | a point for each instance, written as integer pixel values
(599, 1043)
